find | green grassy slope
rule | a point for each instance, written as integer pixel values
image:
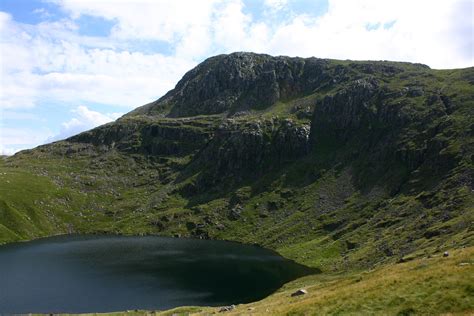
(373, 170)
(426, 286)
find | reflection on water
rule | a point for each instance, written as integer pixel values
(112, 273)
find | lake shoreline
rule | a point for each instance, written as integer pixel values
(158, 272)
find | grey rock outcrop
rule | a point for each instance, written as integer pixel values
(238, 82)
(158, 137)
(240, 149)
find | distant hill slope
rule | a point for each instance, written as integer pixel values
(336, 164)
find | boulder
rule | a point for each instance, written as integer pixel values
(299, 293)
(415, 92)
(226, 308)
(235, 213)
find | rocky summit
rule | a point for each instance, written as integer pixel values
(339, 165)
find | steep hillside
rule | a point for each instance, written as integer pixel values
(337, 164)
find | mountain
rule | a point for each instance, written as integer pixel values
(340, 165)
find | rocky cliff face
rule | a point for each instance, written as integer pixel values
(351, 162)
(284, 109)
(241, 150)
(151, 137)
(239, 82)
(247, 81)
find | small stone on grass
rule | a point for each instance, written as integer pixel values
(299, 292)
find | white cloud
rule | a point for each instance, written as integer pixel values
(51, 61)
(233, 30)
(13, 140)
(7, 151)
(43, 13)
(231, 26)
(84, 119)
(147, 19)
(35, 66)
(429, 32)
(20, 116)
(275, 4)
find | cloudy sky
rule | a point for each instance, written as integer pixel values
(70, 65)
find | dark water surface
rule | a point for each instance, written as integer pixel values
(112, 273)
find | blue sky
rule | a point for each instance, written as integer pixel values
(70, 65)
